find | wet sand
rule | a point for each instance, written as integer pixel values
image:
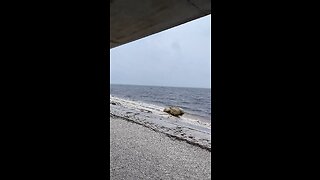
(138, 152)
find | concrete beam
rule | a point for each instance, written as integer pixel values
(133, 20)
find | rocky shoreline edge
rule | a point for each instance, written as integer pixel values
(151, 116)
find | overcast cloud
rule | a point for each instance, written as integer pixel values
(179, 57)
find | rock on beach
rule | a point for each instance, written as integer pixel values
(175, 111)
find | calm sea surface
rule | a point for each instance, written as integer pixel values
(195, 101)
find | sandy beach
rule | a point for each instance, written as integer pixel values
(190, 130)
(146, 143)
(137, 152)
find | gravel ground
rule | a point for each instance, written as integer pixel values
(137, 152)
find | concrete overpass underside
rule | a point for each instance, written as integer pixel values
(136, 19)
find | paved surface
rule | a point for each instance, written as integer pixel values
(137, 152)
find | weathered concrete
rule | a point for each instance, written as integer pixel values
(132, 20)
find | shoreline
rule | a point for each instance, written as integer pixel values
(192, 131)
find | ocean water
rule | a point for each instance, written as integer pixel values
(195, 102)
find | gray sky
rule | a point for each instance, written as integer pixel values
(179, 57)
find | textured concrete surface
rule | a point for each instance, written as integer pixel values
(137, 152)
(132, 20)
